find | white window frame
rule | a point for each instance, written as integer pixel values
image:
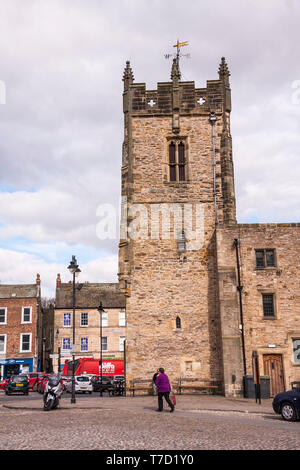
(122, 318)
(121, 342)
(87, 343)
(21, 343)
(5, 342)
(87, 317)
(64, 325)
(104, 318)
(5, 316)
(104, 349)
(23, 321)
(62, 344)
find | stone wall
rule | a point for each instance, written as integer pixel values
(113, 331)
(265, 335)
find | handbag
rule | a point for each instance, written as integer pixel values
(172, 396)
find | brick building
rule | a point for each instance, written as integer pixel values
(87, 321)
(186, 307)
(20, 328)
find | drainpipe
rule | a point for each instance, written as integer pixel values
(240, 288)
(213, 119)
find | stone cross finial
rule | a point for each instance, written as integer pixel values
(224, 73)
(175, 76)
(128, 77)
(175, 72)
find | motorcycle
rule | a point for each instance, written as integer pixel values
(52, 393)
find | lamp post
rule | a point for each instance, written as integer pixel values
(74, 270)
(100, 310)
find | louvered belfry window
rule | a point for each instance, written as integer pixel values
(177, 161)
(172, 161)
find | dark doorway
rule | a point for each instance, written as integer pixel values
(273, 367)
(11, 369)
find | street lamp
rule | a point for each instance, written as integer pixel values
(74, 270)
(100, 310)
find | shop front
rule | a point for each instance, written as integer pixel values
(15, 366)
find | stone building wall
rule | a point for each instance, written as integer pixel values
(87, 299)
(113, 331)
(267, 336)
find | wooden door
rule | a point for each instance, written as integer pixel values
(273, 367)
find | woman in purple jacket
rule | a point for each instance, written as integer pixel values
(163, 390)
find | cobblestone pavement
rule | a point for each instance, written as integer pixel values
(117, 423)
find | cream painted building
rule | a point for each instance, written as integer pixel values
(87, 321)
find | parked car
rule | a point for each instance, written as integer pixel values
(83, 384)
(3, 382)
(106, 383)
(65, 379)
(17, 384)
(40, 379)
(42, 383)
(118, 379)
(288, 404)
(33, 379)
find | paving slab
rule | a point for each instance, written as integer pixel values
(184, 403)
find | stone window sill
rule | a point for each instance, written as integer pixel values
(270, 268)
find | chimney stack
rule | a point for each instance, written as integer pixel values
(58, 281)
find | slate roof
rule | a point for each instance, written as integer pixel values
(89, 295)
(19, 291)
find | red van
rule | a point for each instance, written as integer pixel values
(90, 366)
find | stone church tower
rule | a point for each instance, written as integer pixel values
(177, 187)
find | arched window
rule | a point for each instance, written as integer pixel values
(172, 161)
(181, 162)
(177, 161)
(178, 322)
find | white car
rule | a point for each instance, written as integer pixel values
(82, 384)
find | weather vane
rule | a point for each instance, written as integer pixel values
(177, 55)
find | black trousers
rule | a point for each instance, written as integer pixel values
(167, 398)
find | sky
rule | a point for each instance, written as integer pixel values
(61, 120)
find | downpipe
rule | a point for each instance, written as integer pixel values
(240, 289)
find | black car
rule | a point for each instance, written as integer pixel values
(118, 379)
(288, 404)
(17, 384)
(103, 386)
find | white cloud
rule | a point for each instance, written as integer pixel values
(21, 268)
(61, 127)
